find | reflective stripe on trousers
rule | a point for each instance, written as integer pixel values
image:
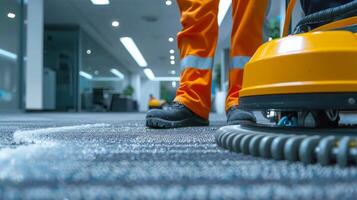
(239, 61)
(196, 62)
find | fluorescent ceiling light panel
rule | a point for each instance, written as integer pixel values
(8, 54)
(148, 72)
(117, 73)
(100, 2)
(223, 9)
(170, 78)
(134, 51)
(86, 75)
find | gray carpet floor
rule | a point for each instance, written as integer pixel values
(114, 156)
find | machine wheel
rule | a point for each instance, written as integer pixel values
(343, 151)
(244, 143)
(277, 147)
(307, 149)
(291, 150)
(324, 150)
(254, 145)
(229, 141)
(223, 138)
(236, 142)
(265, 146)
(217, 136)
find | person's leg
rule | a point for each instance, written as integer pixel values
(197, 42)
(247, 36)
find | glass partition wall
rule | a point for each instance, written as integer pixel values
(10, 54)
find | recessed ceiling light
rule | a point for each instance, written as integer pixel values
(173, 72)
(89, 51)
(148, 72)
(11, 15)
(100, 2)
(172, 51)
(172, 62)
(96, 72)
(171, 39)
(172, 57)
(134, 51)
(168, 2)
(115, 23)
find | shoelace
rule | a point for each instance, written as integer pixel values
(176, 105)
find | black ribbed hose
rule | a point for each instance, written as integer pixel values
(327, 16)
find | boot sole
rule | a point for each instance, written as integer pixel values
(238, 122)
(165, 124)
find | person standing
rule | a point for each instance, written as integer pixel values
(197, 43)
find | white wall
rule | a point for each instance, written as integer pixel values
(34, 52)
(147, 88)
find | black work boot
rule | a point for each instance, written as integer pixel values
(236, 116)
(176, 115)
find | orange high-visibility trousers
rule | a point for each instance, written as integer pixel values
(197, 43)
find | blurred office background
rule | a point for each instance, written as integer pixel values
(101, 55)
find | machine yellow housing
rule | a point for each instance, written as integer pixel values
(316, 62)
(309, 71)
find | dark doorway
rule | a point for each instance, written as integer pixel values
(61, 44)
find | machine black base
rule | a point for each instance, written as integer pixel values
(314, 101)
(323, 146)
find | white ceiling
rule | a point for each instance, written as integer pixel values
(150, 37)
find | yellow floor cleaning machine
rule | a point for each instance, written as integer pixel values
(301, 84)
